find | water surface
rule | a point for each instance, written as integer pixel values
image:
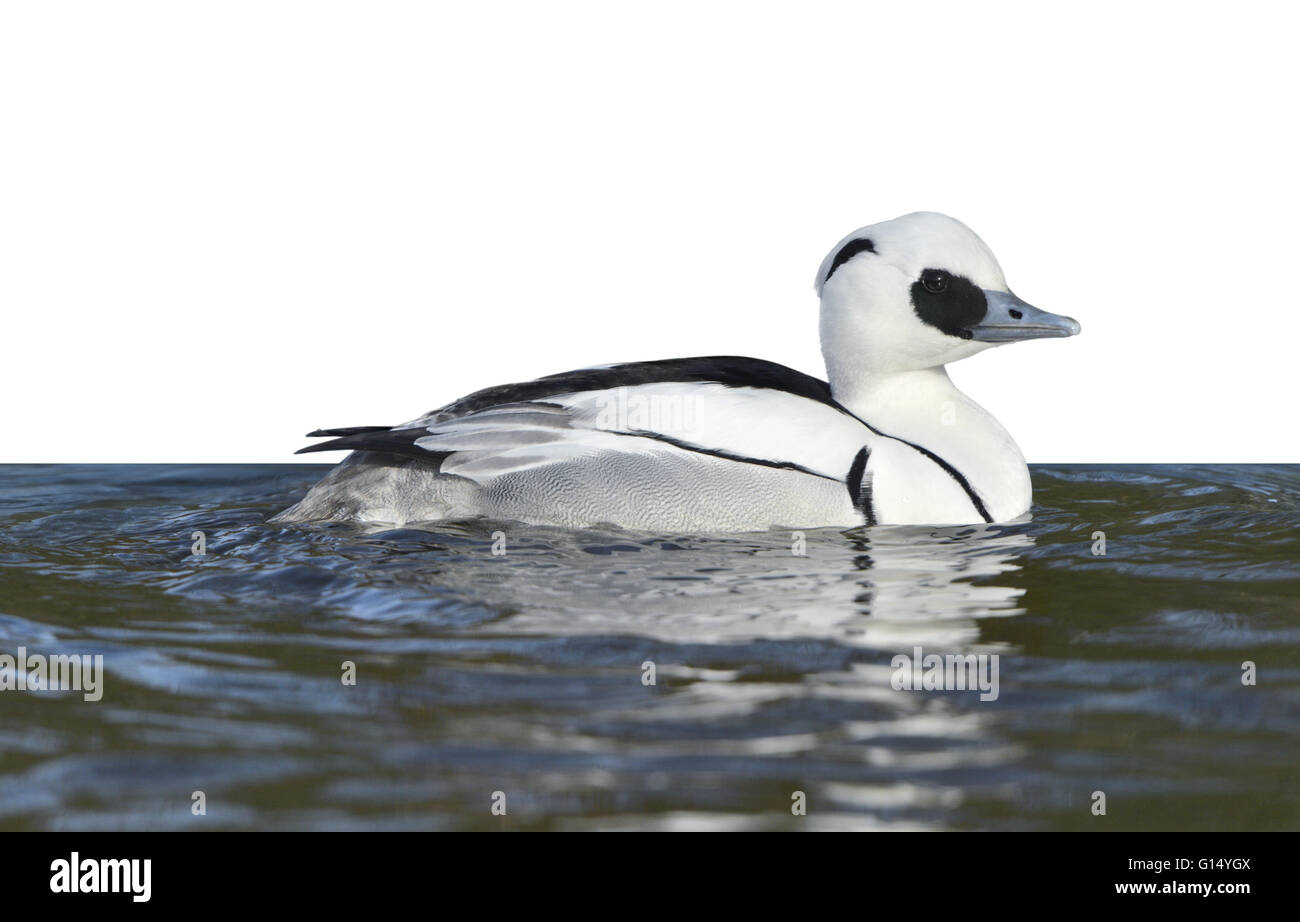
(523, 672)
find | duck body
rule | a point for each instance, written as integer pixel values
(718, 443)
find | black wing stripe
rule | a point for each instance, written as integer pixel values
(402, 442)
(725, 455)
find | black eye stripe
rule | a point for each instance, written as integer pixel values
(958, 306)
(847, 252)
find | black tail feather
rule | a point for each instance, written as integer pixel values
(376, 438)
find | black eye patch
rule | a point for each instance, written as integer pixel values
(847, 252)
(954, 308)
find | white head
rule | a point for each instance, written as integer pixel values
(916, 292)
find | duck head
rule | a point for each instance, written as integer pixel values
(918, 292)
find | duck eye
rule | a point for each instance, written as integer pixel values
(934, 280)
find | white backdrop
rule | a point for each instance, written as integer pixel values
(223, 224)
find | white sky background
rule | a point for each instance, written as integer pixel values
(225, 224)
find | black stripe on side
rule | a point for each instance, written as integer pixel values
(860, 490)
(956, 475)
(951, 471)
(725, 455)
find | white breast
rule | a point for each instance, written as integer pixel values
(926, 409)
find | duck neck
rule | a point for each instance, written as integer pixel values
(882, 398)
(924, 406)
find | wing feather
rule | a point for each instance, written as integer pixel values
(741, 410)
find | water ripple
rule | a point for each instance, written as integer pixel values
(608, 679)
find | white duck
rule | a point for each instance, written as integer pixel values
(726, 443)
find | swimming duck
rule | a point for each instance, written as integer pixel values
(726, 443)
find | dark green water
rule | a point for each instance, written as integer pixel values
(522, 673)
